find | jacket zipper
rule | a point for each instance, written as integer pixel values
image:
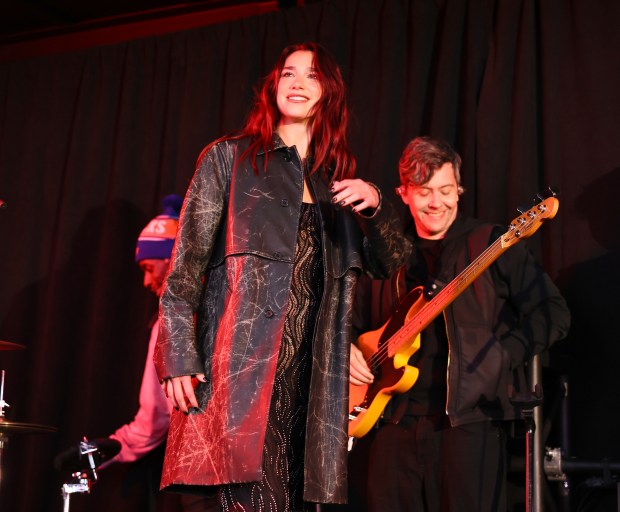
(445, 320)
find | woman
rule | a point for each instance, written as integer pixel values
(273, 234)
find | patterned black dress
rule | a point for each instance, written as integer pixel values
(281, 487)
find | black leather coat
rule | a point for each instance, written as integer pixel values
(237, 233)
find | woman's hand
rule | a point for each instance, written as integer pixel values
(359, 373)
(180, 391)
(356, 193)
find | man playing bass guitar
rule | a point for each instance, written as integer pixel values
(440, 446)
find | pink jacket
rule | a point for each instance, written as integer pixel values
(150, 424)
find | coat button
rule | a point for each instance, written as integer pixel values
(287, 155)
(268, 313)
(284, 202)
(277, 255)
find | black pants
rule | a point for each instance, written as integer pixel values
(424, 465)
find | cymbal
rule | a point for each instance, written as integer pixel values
(8, 345)
(15, 427)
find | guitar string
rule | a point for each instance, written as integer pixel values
(423, 318)
(515, 231)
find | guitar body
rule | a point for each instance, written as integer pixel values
(389, 365)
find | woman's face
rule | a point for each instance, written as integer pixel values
(299, 88)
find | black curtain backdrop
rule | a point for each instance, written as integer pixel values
(90, 141)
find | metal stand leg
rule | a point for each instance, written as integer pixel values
(537, 454)
(530, 426)
(526, 403)
(65, 502)
(565, 485)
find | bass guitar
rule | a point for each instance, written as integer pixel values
(388, 349)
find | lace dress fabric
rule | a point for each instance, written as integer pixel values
(281, 487)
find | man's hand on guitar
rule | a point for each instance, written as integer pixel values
(359, 372)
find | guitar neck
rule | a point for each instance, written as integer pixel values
(448, 294)
(521, 227)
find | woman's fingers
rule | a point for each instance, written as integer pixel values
(180, 391)
(355, 193)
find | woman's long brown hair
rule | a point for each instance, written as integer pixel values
(328, 119)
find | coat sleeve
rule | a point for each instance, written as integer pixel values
(542, 313)
(385, 247)
(176, 352)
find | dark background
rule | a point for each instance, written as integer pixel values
(98, 122)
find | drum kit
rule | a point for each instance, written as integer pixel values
(9, 429)
(82, 460)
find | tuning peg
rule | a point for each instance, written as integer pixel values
(552, 192)
(522, 208)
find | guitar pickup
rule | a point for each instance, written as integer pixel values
(357, 409)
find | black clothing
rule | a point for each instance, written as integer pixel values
(434, 467)
(453, 459)
(511, 312)
(281, 488)
(428, 395)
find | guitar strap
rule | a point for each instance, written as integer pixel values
(478, 240)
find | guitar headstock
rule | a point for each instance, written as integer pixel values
(528, 222)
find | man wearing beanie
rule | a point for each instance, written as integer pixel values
(149, 427)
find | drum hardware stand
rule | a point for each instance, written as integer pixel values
(82, 481)
(557, 467)
(3, 437)
(525, 403)
(83, 460)
(3, 404)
